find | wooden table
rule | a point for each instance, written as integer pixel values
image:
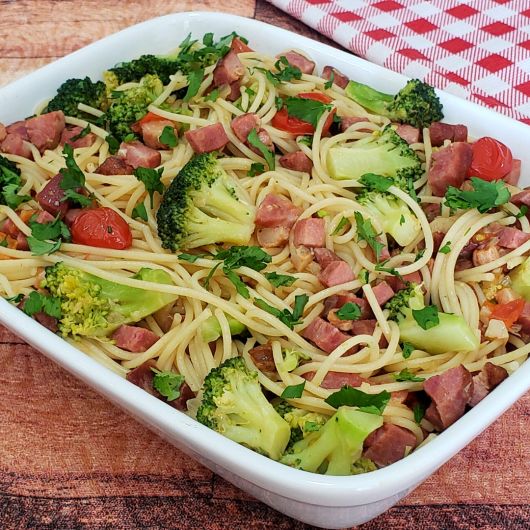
(69, 459)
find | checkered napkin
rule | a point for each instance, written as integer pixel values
(478, 50)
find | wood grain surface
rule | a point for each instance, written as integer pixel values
(71, 460)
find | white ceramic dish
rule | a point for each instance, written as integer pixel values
(330, 502)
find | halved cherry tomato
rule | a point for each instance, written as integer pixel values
(492, 160)
(290, 124)
(239, 46)
(509, 313)
(101, 227)
(150, 116)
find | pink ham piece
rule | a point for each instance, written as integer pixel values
(305, 65)
(68, 134)
(310, 232)
(3, 132)
(18, 127)
(363, 327)
(343, 325)
(229, 70)
(243, 125)
(263, 358)
(339, 78)
(335, 273)
(277, 210)
(134, 338)
(348, 121)
(523, 197)
(152, 130)
(449, 167)
(45, 131)
(333, 380)
(439, 132)
(383, 292)
(272, 237)
(450, 393)
(410, 134)
(324, 257)
(524, 318)
(14, 144)
(388, 444)
(485, 381)
(513, 176)
(51, 197)
(136, 154)
(431, 210)
(235, 91)
(265, 139)
(297, 161)
(397, 283)
(336, 301)
(324, 335)
(207, 139)
(115, 165)
(512, 238)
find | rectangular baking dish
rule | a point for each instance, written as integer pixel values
(325, 501)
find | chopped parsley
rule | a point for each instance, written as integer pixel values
(139, 212)
(289, 318)
(168, 384)
(308, 110)
(342, 223)
(376, 182)
(352, 397)
(256, 168)
(39, 303)
(349, 311)
(293, 391)
(446, 248)
(427, 317)
(285, 72)
(419, 412)
(484, 196)
(212, 96)
(268, 155)
(151, 179)
(329, 82)
(280, 280)
(195, 78)
(168, 137)
(406, 375)
(407, 349)
(84, 132)
(366, 232)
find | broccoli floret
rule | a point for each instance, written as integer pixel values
(75, 91)
(234, 405)
(129, 106)
(415, 104)
(363, 465)
(94, 307)
(336, 446)
(292, 358)
(302, 422)
(211, 329)
(202, 207)
(384, 153)
(403, 301)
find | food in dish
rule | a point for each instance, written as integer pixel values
(248, 240)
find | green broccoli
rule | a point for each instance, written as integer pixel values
(384, 153)
(363, 465)
(427, 328)
(234, 405)
(94, 307)
(202, 207)
(129, 106)
(211, 329)
(75, 91)
(415, 104)
(520, 277)
(337, 446)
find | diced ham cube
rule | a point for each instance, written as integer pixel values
(243, 125)
(523, 197)
(383, 292)
(338, 77)
(363, 327)
(301, 257)
(524, 318)
(348, 121)
(239, 46)
(324, 257)
(265, 139)
(18, 127)
(207, 139)
(68, 135)
(506, 295)
(152, 130)
(274, 237)
(335, 273)
(115, 165)
(296, 59)
(343, 325)
(410, 134)
(134, 338)
(263, 358)
(22, 242)
(277, 210)
(14, 144)
(397, 283)
(136, 154)
(485, 381)
(3, 132)
(388, 444)
(439, 132)
(310, 232)
(512, 238)
(297, 161)
(235, 91)
(336, 301)
(431, 210)
(45, 131)
(513, 176)
(449, 167)
(46, 320)
(333, 380)
(51, 197)
(228, 70)
(482, 256)
(324, 335)
(450, 393)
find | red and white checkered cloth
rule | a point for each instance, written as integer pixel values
(478, 50)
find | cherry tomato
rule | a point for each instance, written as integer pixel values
(290, 124)
(492, 160)
(509, 313)
(239, 46)
(101, 227)
(150, 116)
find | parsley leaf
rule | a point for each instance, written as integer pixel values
(114, 143)
(168, 137)
(349, 311)
(366, 232)
(308, 110)
(380, 267)
(10, 184)
(151, 179)
(293, 391)
(285, 74)
(406, 375)
(73, 177)
(80, 199)
(240, 286)
(523, 210)
(306, 140)
(212, 96)
(195, 78)
(342, 223)
(278, 102)
(81, 134)
(352, 397)
(290, 319)
(376, 182)
(323, 213)
(52, 230)
(268, 155)
(407, 349)
(485, 195)
(11, 196)
(364, 276)
(168, 384)
(139, 212)
(190, 258)
(37, 302)
(446, 248)
(329, 82)
(419, 412)
(210, 274)
(39, 248)
(15, 299)
(241, 256)
(256, 168)
(279, 280)
(427, 317)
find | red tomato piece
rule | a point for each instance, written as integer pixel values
(239, 46)
(101, 227)
(492, 160)
(509, 313)
(150, 116)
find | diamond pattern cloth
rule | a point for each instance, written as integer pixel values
(478, 50)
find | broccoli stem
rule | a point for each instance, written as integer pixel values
(369, 98)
